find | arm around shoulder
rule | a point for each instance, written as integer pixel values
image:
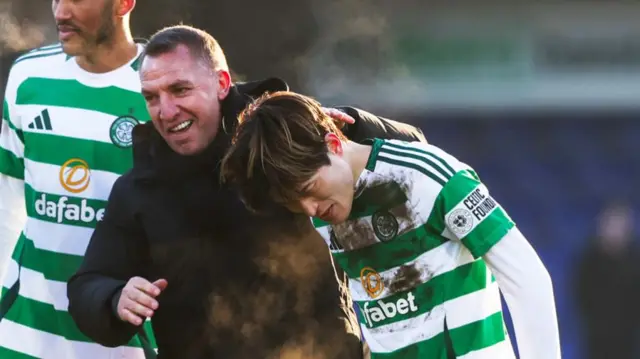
(114, 255)
(369, 126)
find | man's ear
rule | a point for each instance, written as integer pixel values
(224, 84)
(125, 7)
(333, 144)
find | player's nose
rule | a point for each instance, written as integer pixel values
(309, 207)
(61, 11)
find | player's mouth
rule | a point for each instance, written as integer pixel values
(181, 127)
(326, 214)
(66, 31)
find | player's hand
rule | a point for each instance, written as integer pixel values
(137, 300)
(339, 118)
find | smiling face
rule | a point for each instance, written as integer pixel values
(184, 96)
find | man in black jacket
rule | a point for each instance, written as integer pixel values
(178, 247)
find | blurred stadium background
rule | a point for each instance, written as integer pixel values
(541, 97)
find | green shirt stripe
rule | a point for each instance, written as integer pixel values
(383, 196)
(53, 208)
(56, 46)
(489, 232)
(135, 65)
(42, 50)
(444, 163)
(7, 117)
(44, 317)
(318, 223)
(53, 266)
(36, 55)
(420, 157)
(99, 155)
(435, 222)
(375, 149)
(111, 100)
(413, 166)
(473, 336)
(478, 335)
(383, 256)
(11, 165)
(491, 228)
(458, 187)
(468, 278)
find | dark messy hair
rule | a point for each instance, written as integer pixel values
(278, 146)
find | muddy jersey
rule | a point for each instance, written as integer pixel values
(412, 247)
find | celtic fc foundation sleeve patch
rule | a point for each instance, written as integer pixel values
(472, 215)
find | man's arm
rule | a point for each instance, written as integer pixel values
(484, 227)
(12, 201)
(369, 126)
(528, 291)
(115, 254)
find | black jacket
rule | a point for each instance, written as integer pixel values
(240, 286)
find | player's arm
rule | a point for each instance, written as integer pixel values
(484, 227)
(526, 286)
(368, 126)
(12, 200)
(113, 256)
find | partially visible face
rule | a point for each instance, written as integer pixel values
(329, 193)
(616, 226)
(84, 24)
(183, 97)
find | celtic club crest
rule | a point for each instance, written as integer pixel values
(385, 225)
(121, 131)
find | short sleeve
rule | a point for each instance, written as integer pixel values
(472, 215)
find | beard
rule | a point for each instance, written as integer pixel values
(104, 35)
(106, 31)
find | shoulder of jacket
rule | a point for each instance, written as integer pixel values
(260, 87)
(124, 184)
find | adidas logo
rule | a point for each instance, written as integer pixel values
(42, 122)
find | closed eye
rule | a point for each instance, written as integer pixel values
(307, 188)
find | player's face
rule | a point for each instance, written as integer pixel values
(84, 24)
(329, 193)
(183, 97)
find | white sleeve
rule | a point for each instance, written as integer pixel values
(12, 218)
(526, 285)
(12, 200)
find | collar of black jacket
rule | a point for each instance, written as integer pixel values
(153, 160)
